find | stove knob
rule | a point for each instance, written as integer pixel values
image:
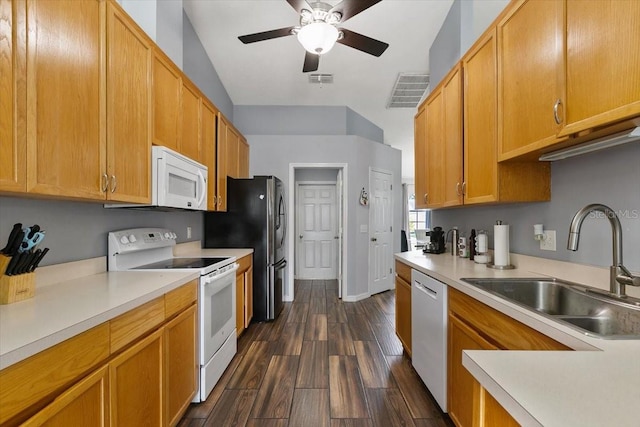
(174, 236)
(132, 238)
(167, 235)
(124, 240)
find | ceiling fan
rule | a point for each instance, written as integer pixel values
(318, 30)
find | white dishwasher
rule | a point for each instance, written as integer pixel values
(429, 334)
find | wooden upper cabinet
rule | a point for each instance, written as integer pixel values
(233, 140)
(221, 166)
(480, 122)
(13, 169)
(129, 56)
(65, 108)
(602, 65)
(420, 155)
(209, 152)
(452, 96)
(243, 158)
(190, 144)
(167, 89)
(529, 55)
(435, 139)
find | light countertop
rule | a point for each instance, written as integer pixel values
(72, 298)
(596, 385)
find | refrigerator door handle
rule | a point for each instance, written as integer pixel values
(280, 265)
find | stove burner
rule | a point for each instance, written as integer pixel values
(181, 263)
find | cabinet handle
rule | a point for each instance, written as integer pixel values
(114, 183)
(105, 182)
(556, 106)
(464, 187)
(458, 189)
(426, 197)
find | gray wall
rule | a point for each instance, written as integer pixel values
(169, 29)
(315, 174)
(78, 230)
(303, 120)
(610, 177)
(272, 154)
(201, 71)
(144, 13)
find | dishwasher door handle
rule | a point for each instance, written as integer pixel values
(427, 290)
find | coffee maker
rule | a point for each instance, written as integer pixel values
(435, 245)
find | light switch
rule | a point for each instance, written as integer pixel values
(364, 228)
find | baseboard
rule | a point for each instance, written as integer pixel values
(354, 298)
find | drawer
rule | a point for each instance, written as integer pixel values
(181, 298)
(404, 271)
(135, 323)
(27, 384)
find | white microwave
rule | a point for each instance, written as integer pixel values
(177, 182)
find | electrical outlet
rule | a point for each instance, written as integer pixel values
(548, 242)
(189, 234)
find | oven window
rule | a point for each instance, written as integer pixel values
(221, 308)
(181, 186)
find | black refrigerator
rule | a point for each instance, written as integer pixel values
(255, 218)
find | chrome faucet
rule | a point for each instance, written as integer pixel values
(619, 276)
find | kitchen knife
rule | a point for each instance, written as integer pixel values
(15, 245)
(15, 260)
(26, 264)
(38, 259)
(14, 232)
(22, 263)
(32, 261)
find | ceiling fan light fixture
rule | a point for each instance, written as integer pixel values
(318, 37)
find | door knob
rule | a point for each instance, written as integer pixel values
(373, 239)
(300, 236)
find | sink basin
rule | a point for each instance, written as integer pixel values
(580, 307)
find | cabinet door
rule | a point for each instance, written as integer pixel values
(13, 169)
(602, 78)
(435, 141)
(221, 170)
(240, 303)
(403, 313)
(128, 109)
(243, 158)
(452, 96)
(167, 87)
(529, 54)
(480, 111)
(420, 154)
(248, 297)
(181, 379)
(135, 379)
(190, 144)
(66, 151)
(209, 152)
(460, 387)
(84, 404)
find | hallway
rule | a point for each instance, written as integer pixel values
(321, 363)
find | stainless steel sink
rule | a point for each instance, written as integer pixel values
(580, 307)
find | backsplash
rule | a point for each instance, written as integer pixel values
(78, 230)
(610, 177)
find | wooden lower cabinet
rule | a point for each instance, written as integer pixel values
(244, 293)
(181, 380)
(403, 305)
(135, 378)
(476, 326)
(84, 404)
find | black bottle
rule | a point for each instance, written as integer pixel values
(472, 244)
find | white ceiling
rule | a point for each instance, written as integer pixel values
(270, 72)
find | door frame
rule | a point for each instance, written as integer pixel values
(291, 221)
(297, 232)
(390, 173)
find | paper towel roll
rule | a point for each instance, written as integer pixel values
(501, 245)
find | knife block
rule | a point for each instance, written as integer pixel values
(15, 288)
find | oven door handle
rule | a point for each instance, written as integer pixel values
(210, 279)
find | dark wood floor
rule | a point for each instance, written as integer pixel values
(323, 362)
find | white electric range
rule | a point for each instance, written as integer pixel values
(151, 249)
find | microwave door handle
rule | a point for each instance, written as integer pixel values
(203, 182)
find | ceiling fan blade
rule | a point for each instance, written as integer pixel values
(311, 62)
(365, 44)
(266, 35)
(350, 8)
(298, 5)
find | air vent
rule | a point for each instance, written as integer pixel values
(408, 90)
(321, 78)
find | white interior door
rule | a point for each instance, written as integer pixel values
(339, 198)
(317, 231)
(380, 232)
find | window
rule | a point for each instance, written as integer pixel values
(418, 219)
